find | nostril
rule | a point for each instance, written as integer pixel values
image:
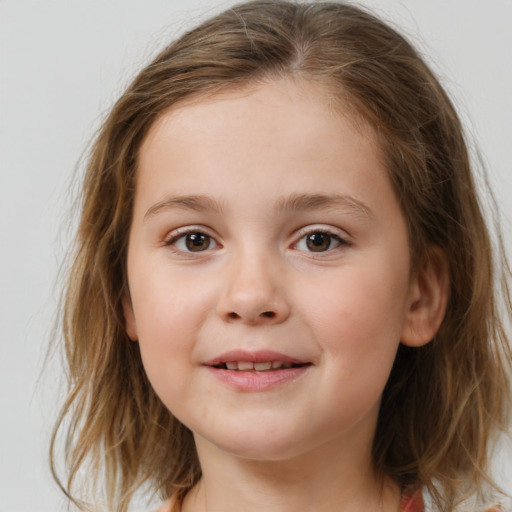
(233, 315)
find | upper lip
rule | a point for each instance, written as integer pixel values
(260, 356)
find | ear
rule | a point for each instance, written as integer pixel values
(428, 299)
(129, 319)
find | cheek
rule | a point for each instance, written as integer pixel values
(172, 308)
(357, 317)
(167, 304)
(168, 314)
(360, 298)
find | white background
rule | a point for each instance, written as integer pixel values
(62, 64)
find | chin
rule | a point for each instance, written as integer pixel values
(260, 445)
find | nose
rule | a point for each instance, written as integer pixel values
(253, 293)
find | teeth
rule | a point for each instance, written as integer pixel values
(259, 367)
(262, 366)
(280, 364)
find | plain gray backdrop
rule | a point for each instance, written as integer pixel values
(62, 64)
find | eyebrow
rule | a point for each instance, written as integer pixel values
(300, 202)
(293, 203)
(197, 203)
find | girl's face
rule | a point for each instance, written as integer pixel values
(268, 268)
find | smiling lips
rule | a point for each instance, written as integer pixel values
(259, 361)
(256, 371)
(247, 366)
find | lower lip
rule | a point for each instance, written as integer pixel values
(258, 381)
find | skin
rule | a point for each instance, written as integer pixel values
(258, 170)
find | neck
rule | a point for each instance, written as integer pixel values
(316, 481)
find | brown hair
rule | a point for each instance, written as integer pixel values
(443, 402)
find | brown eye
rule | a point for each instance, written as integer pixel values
(196, 242)
(193, 241)
(318, 241)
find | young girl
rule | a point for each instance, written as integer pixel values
(284, 295)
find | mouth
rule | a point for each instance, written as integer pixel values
(261, 361)
(257, 367)
(260, 371)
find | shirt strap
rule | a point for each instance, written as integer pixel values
(412, 503)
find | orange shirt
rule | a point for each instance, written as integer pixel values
(412, 503)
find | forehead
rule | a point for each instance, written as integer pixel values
(316, 102)
(284, 135)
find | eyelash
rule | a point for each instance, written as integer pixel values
(183, 233)
(333, 237)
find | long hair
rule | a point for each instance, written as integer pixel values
(443, 402)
